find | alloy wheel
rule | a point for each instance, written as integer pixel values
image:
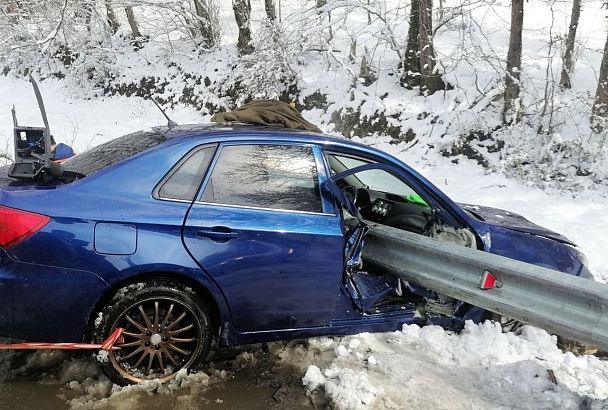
(161, 336)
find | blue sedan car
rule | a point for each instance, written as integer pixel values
(192, 238)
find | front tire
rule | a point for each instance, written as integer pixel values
(166, 326)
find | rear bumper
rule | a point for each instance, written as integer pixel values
(45, 303)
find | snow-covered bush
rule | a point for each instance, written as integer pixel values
(267, 72)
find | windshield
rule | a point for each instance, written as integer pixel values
(114, 151)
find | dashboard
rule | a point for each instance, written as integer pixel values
(393, 210)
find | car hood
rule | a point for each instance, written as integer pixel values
(510, 220)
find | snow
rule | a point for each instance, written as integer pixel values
(98, 320)
(313, 377)
(348, 388)
(479, 368)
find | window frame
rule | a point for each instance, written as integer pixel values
(178, 165)
(327, 203)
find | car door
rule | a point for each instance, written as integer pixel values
(262, 228)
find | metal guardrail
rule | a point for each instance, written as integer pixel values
(563, 304)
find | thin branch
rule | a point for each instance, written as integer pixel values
(48, 41)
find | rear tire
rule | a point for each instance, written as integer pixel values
(167, 328)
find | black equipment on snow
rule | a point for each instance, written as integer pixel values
(33, 148)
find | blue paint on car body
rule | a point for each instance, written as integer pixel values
(115, 239)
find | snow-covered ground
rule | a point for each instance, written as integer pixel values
(414, 368)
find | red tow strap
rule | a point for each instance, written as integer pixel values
(108, 344)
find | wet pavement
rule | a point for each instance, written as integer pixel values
(232, 394)
(249, 380)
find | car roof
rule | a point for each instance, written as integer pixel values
(236, 129)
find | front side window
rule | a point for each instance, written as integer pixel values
(265, 176)
(375, 179)
(379, 195)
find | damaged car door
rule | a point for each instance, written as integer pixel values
(267, 235)
(370, 191)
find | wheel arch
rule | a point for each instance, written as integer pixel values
(218, 309)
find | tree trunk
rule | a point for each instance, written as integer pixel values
(599, 113)
(511, 94)
(242, 13)
(411, 64)
(205, 23)
(430, 81)
(132, 22)
(419, 57)
(352, 54)
(271, 10)
(112, 21)
(564, 79)
(366, 73)
(87, 8)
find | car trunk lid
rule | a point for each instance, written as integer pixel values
(8, 184)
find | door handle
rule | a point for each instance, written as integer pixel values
(217, 233)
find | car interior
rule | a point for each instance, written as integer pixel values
(381, 197)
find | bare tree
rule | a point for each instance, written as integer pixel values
(242, 13)
(271, 10)
(419, 57)
(411, 64)
(207, 24)
(430, 80)
(113, 24)
(511, 94)
(132, 22)
(564, 79)
(599, 113)
(87, 12)
(366, 73)
(320, 4)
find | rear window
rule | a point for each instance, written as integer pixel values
(111, 152)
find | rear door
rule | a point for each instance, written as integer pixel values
(264, 231)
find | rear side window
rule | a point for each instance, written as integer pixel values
(265, 176)
(184, 181)
(113, 151)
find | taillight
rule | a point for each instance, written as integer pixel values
(17, 225)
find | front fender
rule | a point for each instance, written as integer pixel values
(533, 249)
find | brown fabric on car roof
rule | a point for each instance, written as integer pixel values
(266, 112)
